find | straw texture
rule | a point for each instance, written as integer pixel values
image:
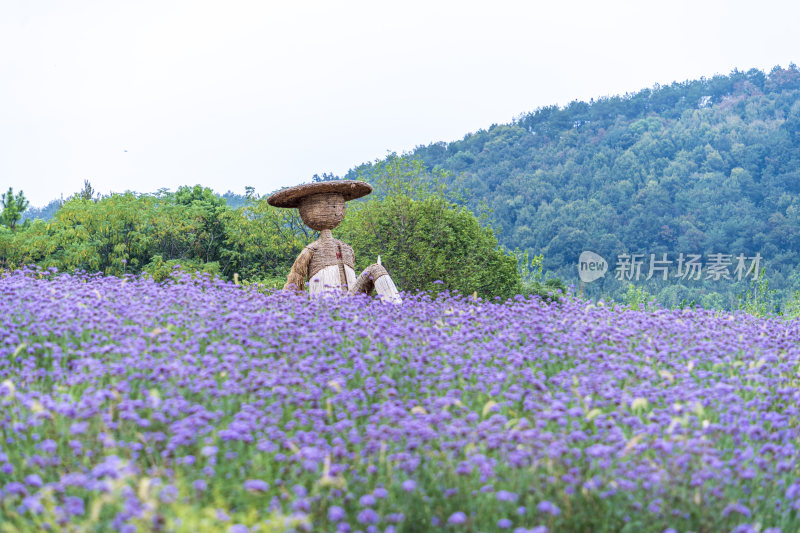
(318, 255)
(327, 263)
(293, 196)
(366, 281)
(330, 252)
(299, 272)
(324, 210)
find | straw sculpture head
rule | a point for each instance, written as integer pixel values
(322, 211)
(322, 204)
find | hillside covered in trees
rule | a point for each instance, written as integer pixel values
(700, 167)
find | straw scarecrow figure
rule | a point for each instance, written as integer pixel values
(327, 263)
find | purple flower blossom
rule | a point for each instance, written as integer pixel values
(33, 480)
(168, 494)
(368, 516)
(367, 500)
(256, 485)
(48, 446)
(336, 513)
(209, 451)
(457, 518)
(505, 496)
(73, 505)
(78, 428)
(111, 466)
(394, 518)
(545, 506)
(32, 504)
(736, 508)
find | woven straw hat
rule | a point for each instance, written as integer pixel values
(292, 196)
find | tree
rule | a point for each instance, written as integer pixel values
(13, 207)
(426, 242)
(206, 208)
(87, 193)
(316, 178)
(262, 242)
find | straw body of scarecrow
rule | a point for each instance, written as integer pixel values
(328, 264)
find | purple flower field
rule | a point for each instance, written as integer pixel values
(200, 405)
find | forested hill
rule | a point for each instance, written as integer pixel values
(705, 166)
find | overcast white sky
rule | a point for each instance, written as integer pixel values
(139, 95)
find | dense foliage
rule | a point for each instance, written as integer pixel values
(13, 205)
(705, 166)
(427, 243)
(424, 239)
(199, 405)
(130, 233)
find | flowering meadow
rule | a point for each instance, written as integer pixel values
(201, 405)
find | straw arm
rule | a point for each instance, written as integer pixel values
(366, 281)
(299, 272)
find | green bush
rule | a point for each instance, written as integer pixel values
(425, 240)
(161, 270)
